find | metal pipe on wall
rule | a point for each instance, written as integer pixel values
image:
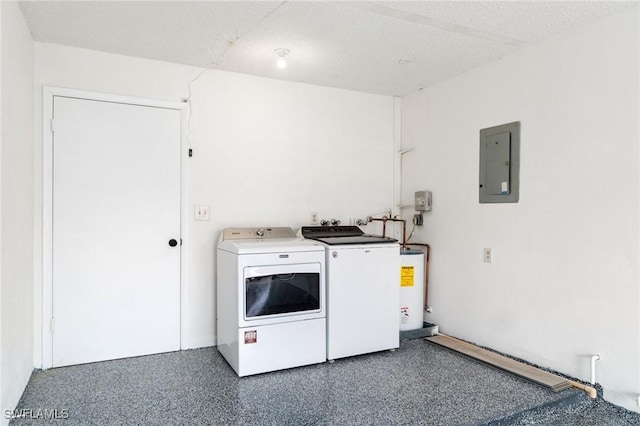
(594, 358)
(384, 221)
(426, 274)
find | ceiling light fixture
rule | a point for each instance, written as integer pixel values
(282, 61)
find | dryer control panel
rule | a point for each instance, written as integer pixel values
(253, 233)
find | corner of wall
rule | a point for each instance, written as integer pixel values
(3, 420)
(16, 200)
(556, 247)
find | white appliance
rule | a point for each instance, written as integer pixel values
(363, 290)
(271, 308)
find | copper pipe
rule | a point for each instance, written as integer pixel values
(426, 274)
(392, 219)
(404, 247)
(384, 223)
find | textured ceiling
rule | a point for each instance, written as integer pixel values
(353, 45)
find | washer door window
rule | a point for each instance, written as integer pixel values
(272, 292)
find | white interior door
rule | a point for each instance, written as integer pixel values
(116, 206)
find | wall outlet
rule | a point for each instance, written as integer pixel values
(488, 255)
(201, 213)
(314, 218)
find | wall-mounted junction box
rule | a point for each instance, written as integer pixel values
(423, 201)
(500, 164)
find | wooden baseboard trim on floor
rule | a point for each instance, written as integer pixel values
(529, 372)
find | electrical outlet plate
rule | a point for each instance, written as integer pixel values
(201, 213)
(488, 255)
(314, 218)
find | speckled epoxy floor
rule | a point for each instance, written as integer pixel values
(419, 384)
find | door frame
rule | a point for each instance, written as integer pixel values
(48, 94)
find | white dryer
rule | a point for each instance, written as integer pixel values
(271, 308)
(363, 290)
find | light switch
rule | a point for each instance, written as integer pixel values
(201, 212)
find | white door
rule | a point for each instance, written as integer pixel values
(116, 206)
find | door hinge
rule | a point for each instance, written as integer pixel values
(53, 126)
(51, 324)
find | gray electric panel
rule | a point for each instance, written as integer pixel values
(500, 163)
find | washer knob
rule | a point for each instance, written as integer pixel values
(260, 232)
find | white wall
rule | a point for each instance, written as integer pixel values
(266, 152)
(565, 279)
(17, 202)
(3, 421)
(414, 131)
